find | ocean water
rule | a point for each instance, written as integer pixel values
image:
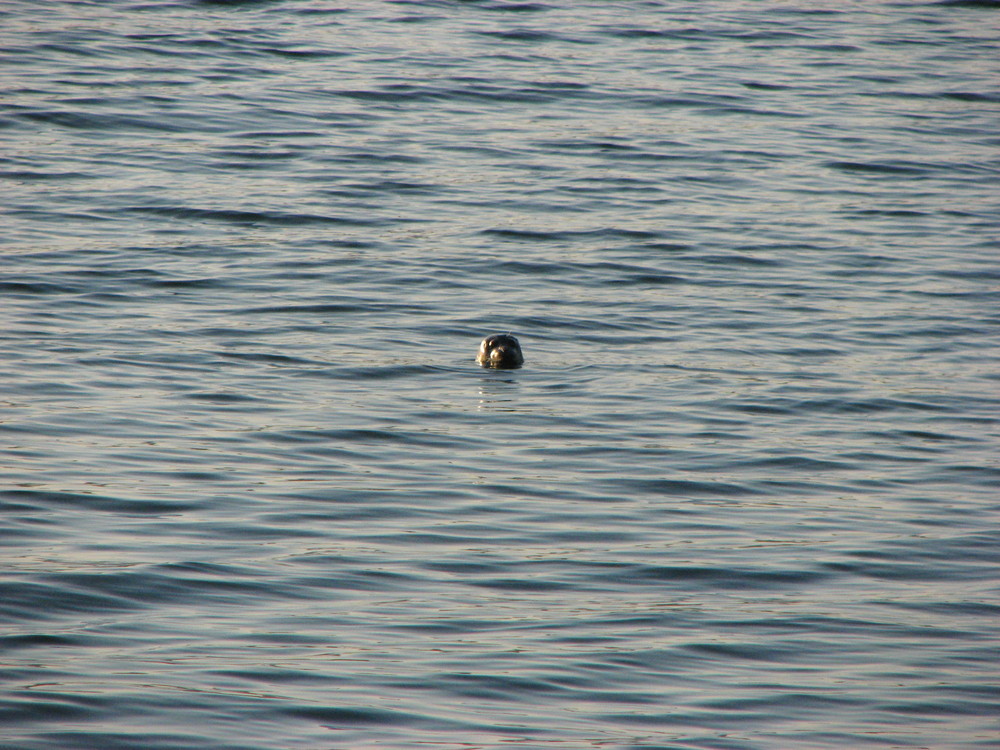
(256, 493)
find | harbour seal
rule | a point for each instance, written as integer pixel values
(501, 350)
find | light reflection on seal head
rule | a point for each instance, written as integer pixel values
(501, 351)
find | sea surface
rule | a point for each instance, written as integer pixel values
(257, 495)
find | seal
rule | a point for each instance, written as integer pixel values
(501, 350)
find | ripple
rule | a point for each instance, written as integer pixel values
(258, 493)
(274, 218)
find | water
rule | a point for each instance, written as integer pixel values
(257, 494)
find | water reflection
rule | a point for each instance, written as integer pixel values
(499, 391)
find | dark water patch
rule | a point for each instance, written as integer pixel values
(174, 584)
(464, 625)
(509, 6)
(868, 260)
(710, 105)
(652, 158)
(279, 676)
(241, 158)
(26, 600)
(499, 687)
(196, 476)
(608, 233)
(399, 93)
(649, 279)
(985, 610)
(634, 32)
(71, 50)
(671, 247)
(925, 708)
(521, 584)
(372, 157)
(394, 187)
(23, 532)
(880, 168)
(892, 213)
(973, 547)
(527, 93)
(167, 361)
(230, 3)
(983, 4)
(992, 274)
(800, 463)
(147, 739)
(213, 283)
(336, 507)
(374, 373)
(464, 568)
(47, 705)
(904, 571)
(575, 145)
(244, 533)
(736, 109)
(582, 536)
(59, 390)
(360, 580)
(266, 218)
(343, 121)
(716, 578)
(360, 305)
(681, 488)
(222, 398)
(760, 86)
(876, 458)
(299, 53)
(561, 85)
(365, 437)
(285, 638)
(769, 409)
(971, 96)
(987, 296)
(923, 435)
(84, 502)
(752, 652)
(110, 123)
(533, 36)
(27, 175)
(220, 570)
(224, 334)
(530, 268)
(459, 538)
(467, 90)
(835, 406)
(268, 358)
(36, 287)
(780, 625)
(335, 717)
(110, 298)
(54, 218)
(17, 643)
(810, 352)
(737, 259)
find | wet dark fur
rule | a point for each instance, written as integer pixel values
(501, 350)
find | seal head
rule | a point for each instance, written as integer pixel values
(501, 350)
